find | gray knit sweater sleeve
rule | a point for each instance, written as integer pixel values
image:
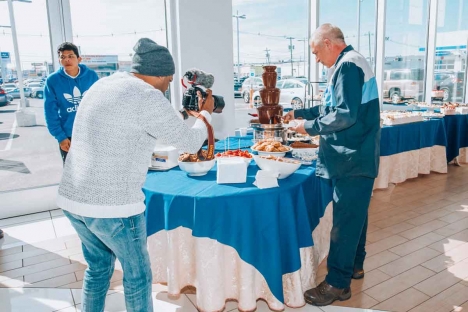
(116, 129)
(160, 121)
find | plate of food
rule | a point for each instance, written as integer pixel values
(193, 166)
(244, 154)
(270, 147)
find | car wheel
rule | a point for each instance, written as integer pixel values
(446, 94)
(39, 95)
(257, 101)
(296, 103)
(246, 97)
(395, 96)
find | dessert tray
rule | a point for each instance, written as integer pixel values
(399, 118)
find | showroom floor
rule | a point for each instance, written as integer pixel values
(417, 256)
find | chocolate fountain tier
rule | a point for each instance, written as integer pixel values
(270, 114)
(269, 76)
(270, 95)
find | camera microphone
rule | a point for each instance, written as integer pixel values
(199, 77)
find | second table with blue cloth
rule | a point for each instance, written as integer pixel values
(267, 227)
(457, 134)
(412, 136)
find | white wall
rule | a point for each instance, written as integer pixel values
(200, 35)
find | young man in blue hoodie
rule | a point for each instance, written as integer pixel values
(63, 92)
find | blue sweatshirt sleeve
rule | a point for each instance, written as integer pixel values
(308, 113)
(51, 113)
(347, 96)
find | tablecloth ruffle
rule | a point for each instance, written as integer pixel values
(463, 157)
(402, 166)
(216, 270)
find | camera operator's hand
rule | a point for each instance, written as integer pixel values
(207, 103)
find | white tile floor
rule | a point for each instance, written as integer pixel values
(417, 257)
(69, 300)
(34, 246)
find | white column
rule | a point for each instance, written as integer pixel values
(431, 48)
(380, 44)
(200, 34)
(314, 10)
(60, 26)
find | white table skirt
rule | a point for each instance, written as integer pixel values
(219, 274)
(463, 157)
(400, 167)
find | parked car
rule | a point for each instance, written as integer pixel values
(3, 97)
(403, 84)
(237, 88)
(292, 94)
(254, 83)
(37, 90)
(15, 93)
(451, 83)
(8, 86)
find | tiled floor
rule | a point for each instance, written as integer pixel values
(417, 256)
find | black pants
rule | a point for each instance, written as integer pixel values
(63, 153)
(351, 198)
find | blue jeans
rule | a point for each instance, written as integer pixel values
(102, 241)
(351, 198)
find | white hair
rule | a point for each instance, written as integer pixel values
(327, 31)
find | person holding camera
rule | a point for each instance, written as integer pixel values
(116, 129)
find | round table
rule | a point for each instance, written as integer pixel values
(266, 227)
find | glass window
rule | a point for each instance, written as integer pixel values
(30, 155)
(451, 53)
(273, 32)
(405, 46)
(105, 42)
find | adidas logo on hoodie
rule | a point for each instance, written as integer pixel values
(74, 99)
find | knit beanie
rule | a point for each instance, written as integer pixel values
(151, 59)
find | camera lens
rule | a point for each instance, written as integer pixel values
(218, 104)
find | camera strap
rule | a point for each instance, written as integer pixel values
(211, 141)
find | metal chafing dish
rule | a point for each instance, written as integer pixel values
(264, 131)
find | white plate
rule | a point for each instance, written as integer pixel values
(161, 168)
(277, 154)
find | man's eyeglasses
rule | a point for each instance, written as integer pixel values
(71, 56)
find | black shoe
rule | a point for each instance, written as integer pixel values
(358, 274)
(325, 294)
(1, 234)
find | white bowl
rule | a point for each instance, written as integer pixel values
(283, 169)
(276, 154)
(196, 169)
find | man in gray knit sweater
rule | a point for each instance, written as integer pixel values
(116, 128)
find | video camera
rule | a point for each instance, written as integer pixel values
(199, 81)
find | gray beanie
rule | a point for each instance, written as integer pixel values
(151, 59)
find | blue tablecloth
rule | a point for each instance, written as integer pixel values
(457, 134)
(266, 227)
(412, 136)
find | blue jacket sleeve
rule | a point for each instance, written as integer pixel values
(51, 113)
(347, 94)
(308, 113)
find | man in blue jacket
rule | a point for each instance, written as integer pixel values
(348, 123)
(63, 92)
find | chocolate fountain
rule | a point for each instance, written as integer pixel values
(270, 112)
